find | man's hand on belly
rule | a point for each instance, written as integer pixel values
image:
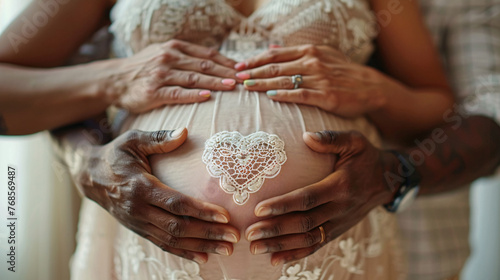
(291, 230)
(118, 177)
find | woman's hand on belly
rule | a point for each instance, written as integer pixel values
(171, 73)
(291, 230)
(118, 177)
(329, 80)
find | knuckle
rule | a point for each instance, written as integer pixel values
(174, 43)
(164, 247)
(175, 228)
(272, 54)
(139, 186)
(175, 93)
(276, 247)
(273, 70)
(205, 247)
(176, 204)
(210, 234)
(158, 136)
(312, 49)
(303, 95)
(306, 223)
(167, 57)
(192, 79)
(309, 239)
(315, 63)
(276, 230)
(131, 208)
(309, 200)
(150, 91)
(159, 74)
(336, 73)
(286, 83)
(206, 65)
(211, 52)
(171, 241)
(132, 136)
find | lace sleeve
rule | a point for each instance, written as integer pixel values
(139, 23)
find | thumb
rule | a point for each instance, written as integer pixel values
(161, 141)
(328, 141)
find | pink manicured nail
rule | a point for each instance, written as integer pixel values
(228, 82)
(205, 93)
(274, 46)
(240, 66)
(243, 76)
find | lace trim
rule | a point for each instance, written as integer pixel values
(348, 255)
(243, 162)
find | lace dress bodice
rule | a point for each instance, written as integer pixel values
(223, 130)
(347, 25)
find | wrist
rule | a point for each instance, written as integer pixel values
(405, 183)
(101, 79)
(391, 179)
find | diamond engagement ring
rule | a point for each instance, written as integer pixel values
(297, 81)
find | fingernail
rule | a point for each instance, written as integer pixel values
(240, 66)
(264, 211)
(177, 133)
(315, 136)
(221, 250)
(205, 93)
(243, 76)
(249, 83)
(220, 218)
(274, 46)
(254, 235)
(199, 259)
(259, 249)
(271, 92)
(230, 237)
(277, 262)
(229, 82)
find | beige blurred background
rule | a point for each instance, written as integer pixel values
(47, 207)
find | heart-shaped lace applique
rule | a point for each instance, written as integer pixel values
(243, 162)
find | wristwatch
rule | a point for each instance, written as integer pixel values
(407, 192)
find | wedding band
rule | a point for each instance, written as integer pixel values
(323, 235)
(297, 81)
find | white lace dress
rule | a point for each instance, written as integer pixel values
(242, 147)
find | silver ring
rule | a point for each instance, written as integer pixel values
(297, 80)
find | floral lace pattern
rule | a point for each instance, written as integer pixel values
(341, 257)
(347, 25)
(243, 162)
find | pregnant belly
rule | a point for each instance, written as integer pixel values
(242, 113)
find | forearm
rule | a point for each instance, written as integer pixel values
(73, 144)
(408, 112)
(456, 153)
(34, 99)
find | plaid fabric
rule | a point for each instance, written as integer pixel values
(435, 229)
